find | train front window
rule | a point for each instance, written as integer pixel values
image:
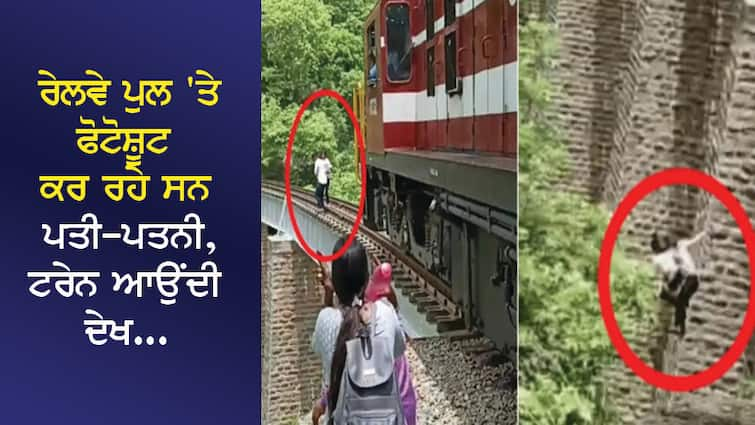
(399, 42)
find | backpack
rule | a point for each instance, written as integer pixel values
(369, 392)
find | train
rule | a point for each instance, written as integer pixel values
(437, 107)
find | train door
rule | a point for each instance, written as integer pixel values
(428, 108)
(439, 125)
(373, 93)
(481, 87)
(489, 79)
(459, 79)
(436, 97)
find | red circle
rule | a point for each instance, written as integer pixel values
(289, 204)
(674, 176)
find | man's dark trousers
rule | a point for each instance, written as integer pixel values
(319, 194)
(325, 192)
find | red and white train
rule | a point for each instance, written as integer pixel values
(440, 124)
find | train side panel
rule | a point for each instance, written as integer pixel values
(442, 160)
(458, 87)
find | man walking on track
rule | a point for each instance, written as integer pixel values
(322, 173)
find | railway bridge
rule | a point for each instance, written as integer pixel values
(459, 375)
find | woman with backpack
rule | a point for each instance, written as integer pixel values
(344, 319)
(379, 290)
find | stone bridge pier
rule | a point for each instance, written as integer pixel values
(646, 85)
(291, 300)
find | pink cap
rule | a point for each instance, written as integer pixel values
(380, 283)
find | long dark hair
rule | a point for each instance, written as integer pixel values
(349, 275)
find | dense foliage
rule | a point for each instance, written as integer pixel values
(563, 343)
(309, 45)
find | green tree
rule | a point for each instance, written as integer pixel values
(309, 45)
(346, 184)
(316, 133)
(295, 46)
(350, 14)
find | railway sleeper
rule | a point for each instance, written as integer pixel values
(402, 279)
(409, 287)
(400, 273)
(480, 348)
(419, 295)
(434, 306)
(436, 316)
(427, 304)
(490, 359)
(422, 296)
(462, 335)
(408, 291)
(448, 323)
(404, 282)
(432, 310)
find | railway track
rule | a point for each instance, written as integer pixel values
(460, 377)
(426, 292)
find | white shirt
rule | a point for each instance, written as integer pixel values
(322, 170)
(324, 338)
(677, 258)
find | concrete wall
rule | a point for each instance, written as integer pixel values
(652, 84)
(291, 299)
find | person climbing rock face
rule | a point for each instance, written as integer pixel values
(679, 273)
